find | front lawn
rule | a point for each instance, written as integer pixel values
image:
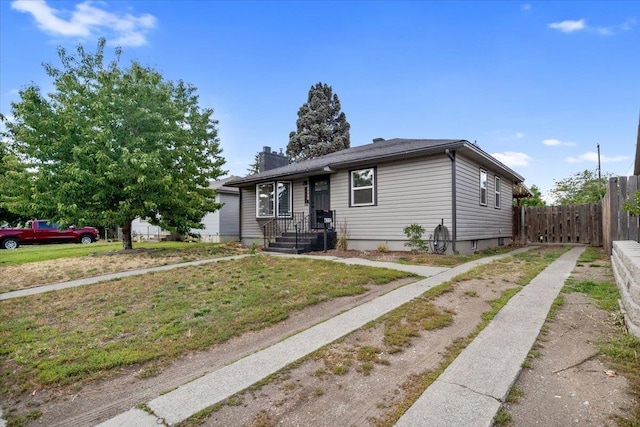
(79, 334)
(39, 253)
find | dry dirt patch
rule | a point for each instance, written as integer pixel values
(311, 392)
(34, 274)
(569, 378)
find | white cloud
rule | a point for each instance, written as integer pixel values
(526, 7)
(568, 26)
(571, 26)
(87, 20)
(590, 156)
(555, 142)
(511, 158)
(625, 26)
(628, 24)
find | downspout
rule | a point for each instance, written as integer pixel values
(454, 231)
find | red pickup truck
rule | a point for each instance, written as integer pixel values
(42, 231)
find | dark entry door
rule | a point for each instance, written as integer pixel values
(319, 200)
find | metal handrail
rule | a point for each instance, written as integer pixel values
(276, 227)
(300, 222)
(302, 228)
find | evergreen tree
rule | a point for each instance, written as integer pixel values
(112, 144)
(255, 166)
(321, 127)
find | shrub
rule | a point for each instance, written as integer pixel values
(414, 232)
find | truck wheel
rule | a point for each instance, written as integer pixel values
(10, 243)
(86, 239)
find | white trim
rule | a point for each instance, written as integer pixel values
(486, 188)
(274, 201)
(271, 201)
(290, 200)
(371, 187)
(497, 189)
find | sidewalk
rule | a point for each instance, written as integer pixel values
(470, 391)
(180, 404)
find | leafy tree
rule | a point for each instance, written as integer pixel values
(321, 127)
(580, 188)
(633, 206)
(11, 170)
(111, 144)
(535, 199)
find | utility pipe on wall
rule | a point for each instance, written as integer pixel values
(454, 228)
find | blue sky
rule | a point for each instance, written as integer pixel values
(536, 84)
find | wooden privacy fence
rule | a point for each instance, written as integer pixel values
(617, 223)
(558, 224)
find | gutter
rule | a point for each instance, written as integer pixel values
(452, 156)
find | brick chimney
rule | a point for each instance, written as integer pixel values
(269, 160)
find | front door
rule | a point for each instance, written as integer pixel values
(319, 200)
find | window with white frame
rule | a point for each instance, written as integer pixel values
(363, 184)
(265, 203)
(483, 187)
(270, 203)
(284, 199)
(497, 191)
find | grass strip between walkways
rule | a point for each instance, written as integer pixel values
(407, 322)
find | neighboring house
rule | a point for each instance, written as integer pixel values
(374, 191)
(219, 226)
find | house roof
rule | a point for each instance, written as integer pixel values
(221, 187)
(379, 150)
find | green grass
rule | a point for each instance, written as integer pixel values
(79, 334)
(621, 349)
(36, 253)
(604, 294)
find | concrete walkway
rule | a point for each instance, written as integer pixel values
(185, 401)
(470, 391)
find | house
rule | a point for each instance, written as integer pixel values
(368, 194)
(219, 226)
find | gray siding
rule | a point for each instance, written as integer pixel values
(229, 217)
(251, 226)
(475, 222)
(221, 225)
(416, 191)
(251, 231)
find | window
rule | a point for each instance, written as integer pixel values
(474, 245)
(284, 199)
(264, 200)
(483, 187)
(267, 205)
(363, 183)
(497, 190)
